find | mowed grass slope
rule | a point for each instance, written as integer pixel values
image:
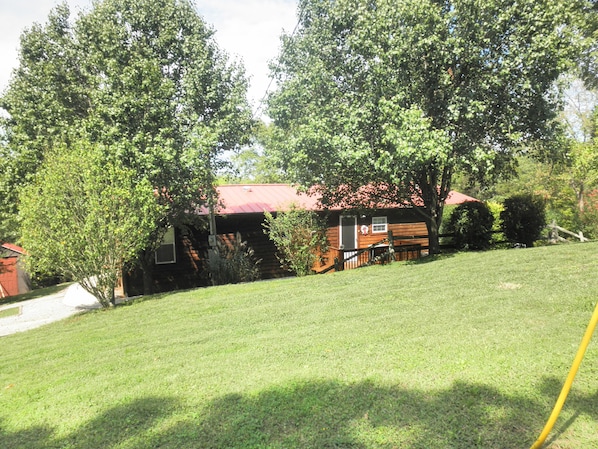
(467, 351)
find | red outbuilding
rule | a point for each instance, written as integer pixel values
(13, 278)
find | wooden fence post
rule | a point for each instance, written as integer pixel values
(339, 262)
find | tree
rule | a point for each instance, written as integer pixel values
(43, 101)
(253, 164)
(383, 101)
(85, 217)
(143, 78)
(299, 236)
(588, 62)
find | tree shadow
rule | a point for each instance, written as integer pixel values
(432, 258)
(125, 423)
(329, 414)
(320, 414)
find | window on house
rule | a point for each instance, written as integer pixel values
(379, 224)
(166, 252)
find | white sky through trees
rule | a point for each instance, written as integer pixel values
(248, 30)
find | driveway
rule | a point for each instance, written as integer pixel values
(37, 312)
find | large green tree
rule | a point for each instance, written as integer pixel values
(145, 79)
(588, 61)
(399, 95)
(85, 217)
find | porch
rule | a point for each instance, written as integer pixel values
(389, 249)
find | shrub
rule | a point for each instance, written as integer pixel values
(299, 236)
(589, 216)
(495, 209)
(233, 262)
(523, 218)
(471, 223)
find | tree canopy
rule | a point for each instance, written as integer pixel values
(145, 81)
(398, 96)
(84, 217)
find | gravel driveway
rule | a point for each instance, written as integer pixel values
(37, 312)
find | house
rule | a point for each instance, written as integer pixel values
(13, 278)
(181, 260)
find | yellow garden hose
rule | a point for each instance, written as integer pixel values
(572, 372)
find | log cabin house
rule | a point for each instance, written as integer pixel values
(181, 261)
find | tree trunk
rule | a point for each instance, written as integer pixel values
(433, 205)
(580, 198)
(433, 238)
(147, 268)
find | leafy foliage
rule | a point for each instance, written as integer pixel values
(233, 262)
(254, 164)
(145, 80)
(589, 217)
(299, 236)
(472, 224)
(523, 218)
(400, 95)
(588, 62)
(85, 217)
(567, 181)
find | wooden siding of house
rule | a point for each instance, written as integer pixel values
(191, 267)
(403, 223)
(251, 228)
(189, 270)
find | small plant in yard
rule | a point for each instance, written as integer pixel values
(299, 235)
(523, 219)
(233, 262)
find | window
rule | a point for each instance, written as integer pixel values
(379, 224)
(166, 251)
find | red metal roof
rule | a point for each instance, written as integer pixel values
(13, 248)
(257, 198)
(458, 198)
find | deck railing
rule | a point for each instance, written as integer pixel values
(383, 251)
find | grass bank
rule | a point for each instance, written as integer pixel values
(467, 351)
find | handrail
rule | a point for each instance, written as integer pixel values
(355, 255)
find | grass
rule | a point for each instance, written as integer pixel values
(466, 351)
(10, 311)
(38, 293)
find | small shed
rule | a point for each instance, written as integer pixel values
(14, 280)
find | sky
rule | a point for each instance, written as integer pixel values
(248, 30)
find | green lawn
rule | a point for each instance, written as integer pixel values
(11, 311)
(33, 294)
(467, 351)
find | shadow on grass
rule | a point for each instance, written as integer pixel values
(432, 258)
(329, 414)
(126, 423)
(317, 414)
